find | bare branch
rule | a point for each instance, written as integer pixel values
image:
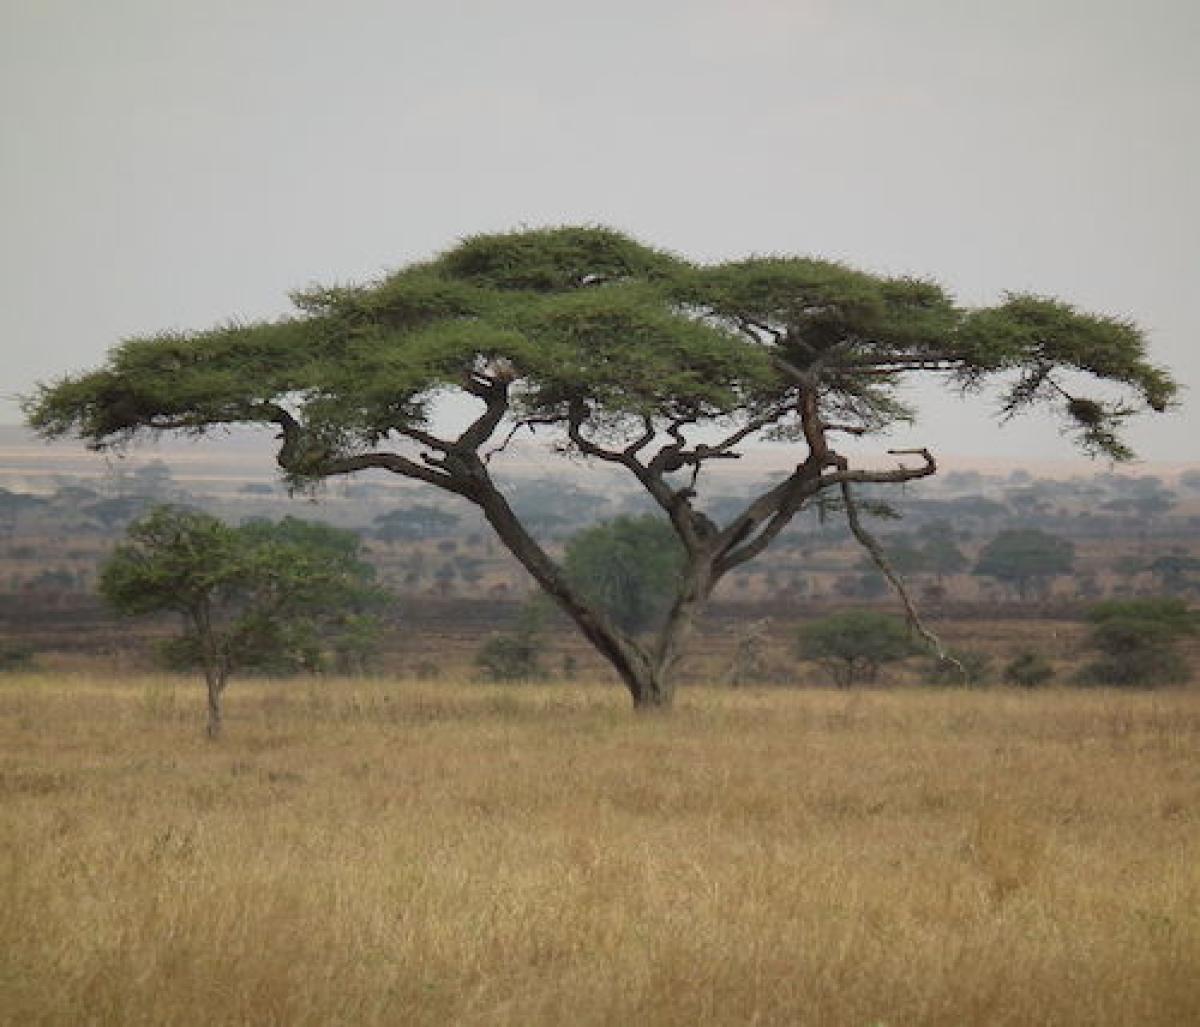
(872, 546)
(755, 330)
(526, 422)
(397, 465)
(898, 474)
(675, 430)
(423, 437)
(751, 533)
(577, 414)
(691, 527)
(643, 440)
(881, 369)
(751, 426)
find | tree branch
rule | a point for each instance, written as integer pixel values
(899, 474)
(754, 425)
(755, 330)
(643, 440)
(397, 464)
(872, 546)
(480, 430)
(691, 527)
(758, 526)
(424, 437)
(525, 422)
(751, 533)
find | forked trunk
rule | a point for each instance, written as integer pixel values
(651, 691)
(672, 641)
(649, 675)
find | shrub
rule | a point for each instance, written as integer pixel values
(1028, 670)
(515, 655)
(1136, 641)
(15, 657)
(855, 645)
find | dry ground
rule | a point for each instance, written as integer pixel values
(400, 853)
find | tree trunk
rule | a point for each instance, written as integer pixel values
(643, 676)
(215, 679)
(216, 665)
(652, 691)
(673, 639)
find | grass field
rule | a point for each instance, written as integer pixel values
(403, 853)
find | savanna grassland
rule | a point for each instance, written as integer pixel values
(444, 853)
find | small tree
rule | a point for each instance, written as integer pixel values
(1136, 640)
(248, 595)
(939, 548)
(629, 567)
(1026, 560)
(856, 644)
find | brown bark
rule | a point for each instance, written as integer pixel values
(216, 667)
(632, 663)
(216, 687)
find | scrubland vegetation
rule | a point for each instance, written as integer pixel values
(446, 853)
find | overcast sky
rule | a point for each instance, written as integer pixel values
(171, 164)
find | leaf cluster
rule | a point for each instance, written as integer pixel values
(265, 595)
(1136, 641)
(1026, 554)
(855, 644)
(1028, 670)
(585, 318)
(629, 567)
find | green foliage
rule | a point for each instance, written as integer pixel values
(261, 597)
(1026, 559)
(587, 315)
(15, 657)
(516, 655)
(939, 550)
(1136, 641)
(1177, 572)
(410, 523)
(854, 645)
(629, 567)
(930, 552)
(1028, 670)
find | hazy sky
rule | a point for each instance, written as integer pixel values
(170, 164)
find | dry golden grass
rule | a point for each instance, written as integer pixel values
(399, 853)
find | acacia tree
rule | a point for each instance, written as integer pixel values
(1027, 560)
(639, 359)
(855, 644)
(244, 593)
